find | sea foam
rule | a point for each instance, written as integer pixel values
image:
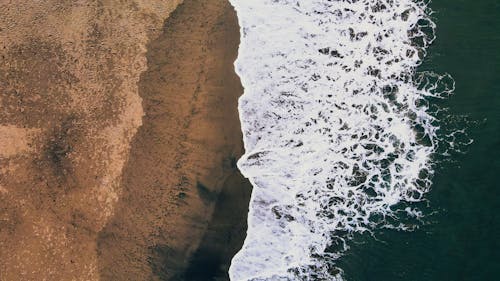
(337, 128)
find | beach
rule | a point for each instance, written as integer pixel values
(216, 140)
(119, 138)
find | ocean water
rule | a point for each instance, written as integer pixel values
(366, 140)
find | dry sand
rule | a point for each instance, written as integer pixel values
(118, 138)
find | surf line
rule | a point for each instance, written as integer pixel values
(337, 128)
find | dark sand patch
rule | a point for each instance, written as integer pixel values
(225, 234)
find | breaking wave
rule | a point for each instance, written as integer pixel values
(339, 128)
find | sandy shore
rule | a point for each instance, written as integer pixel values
(119, 134)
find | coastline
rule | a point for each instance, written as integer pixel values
(89, 193)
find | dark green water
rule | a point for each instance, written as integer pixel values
(461, 241)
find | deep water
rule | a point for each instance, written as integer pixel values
(461, 240)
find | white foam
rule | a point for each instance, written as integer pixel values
(337, 131)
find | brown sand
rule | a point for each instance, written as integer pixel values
(84, 194)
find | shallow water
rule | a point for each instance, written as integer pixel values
(455, 225)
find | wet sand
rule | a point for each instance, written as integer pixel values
(184, 154)
(119, 134)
